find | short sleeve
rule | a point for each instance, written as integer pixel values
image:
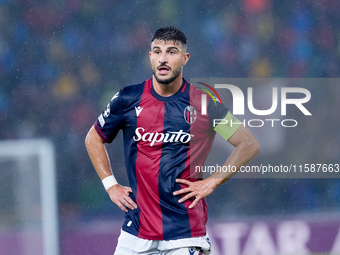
(110, 121)
(222, 121)
(216, 111)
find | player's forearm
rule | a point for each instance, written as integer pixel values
(98, 154)
(244, 152)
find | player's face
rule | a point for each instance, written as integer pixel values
(167, 60)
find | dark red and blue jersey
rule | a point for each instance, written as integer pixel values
(164, 139)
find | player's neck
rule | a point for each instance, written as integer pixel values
(167, 90)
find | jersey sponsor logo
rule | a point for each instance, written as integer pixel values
(169, 137)
(190, 114)
(101, 120)
(138, 110)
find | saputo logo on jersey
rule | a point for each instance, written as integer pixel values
(169, 137)
(294, 96)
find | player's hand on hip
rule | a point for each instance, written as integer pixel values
(197, 189)
(120, 196)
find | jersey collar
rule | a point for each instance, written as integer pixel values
(174, 96)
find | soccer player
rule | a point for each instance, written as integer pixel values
(168, 130)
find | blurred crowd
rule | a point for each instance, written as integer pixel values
(61, 62)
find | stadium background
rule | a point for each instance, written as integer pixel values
(61, 62)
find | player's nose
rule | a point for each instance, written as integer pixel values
(163, 58)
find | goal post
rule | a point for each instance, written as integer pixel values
(29, 217)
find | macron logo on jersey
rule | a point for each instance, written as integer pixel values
(138, 110)
(192, 251)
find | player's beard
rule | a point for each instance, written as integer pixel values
(167, 81)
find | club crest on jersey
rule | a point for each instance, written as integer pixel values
(190, 114)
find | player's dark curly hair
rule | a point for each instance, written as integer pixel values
(170, 33)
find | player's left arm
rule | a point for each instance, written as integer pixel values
(246, 148)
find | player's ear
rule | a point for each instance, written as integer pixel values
(185, 58)
(150, 56)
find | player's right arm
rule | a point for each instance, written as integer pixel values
(96, 149)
